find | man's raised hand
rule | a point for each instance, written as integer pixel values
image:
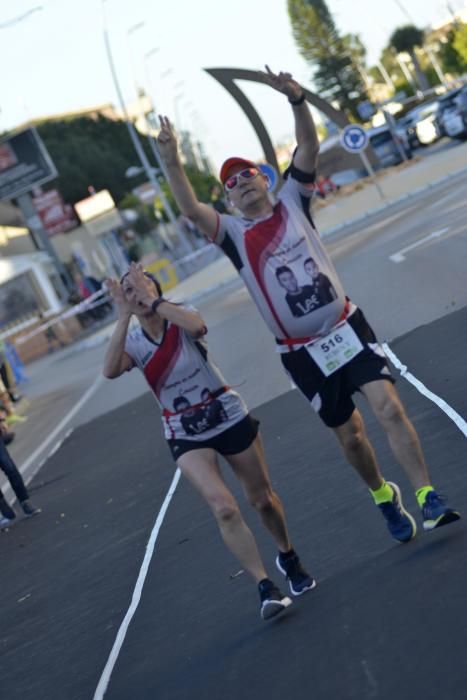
(282, 82)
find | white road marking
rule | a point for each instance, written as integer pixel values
(400, 255)
(57, 446)
(441, 403)
(85, 397)
(107, 672)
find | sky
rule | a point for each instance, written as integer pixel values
(55, 61)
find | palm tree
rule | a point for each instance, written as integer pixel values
(405, 39)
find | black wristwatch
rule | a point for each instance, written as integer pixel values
(299, 101)
(156, 303)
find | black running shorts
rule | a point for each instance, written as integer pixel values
(331, 397)
(236, 439)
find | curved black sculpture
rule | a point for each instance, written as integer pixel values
(227, 76)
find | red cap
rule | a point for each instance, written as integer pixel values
(230, 162)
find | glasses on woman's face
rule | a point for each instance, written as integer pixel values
(247, 174)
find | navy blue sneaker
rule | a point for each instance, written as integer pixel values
(436, 513)
(29, 510)
(299, 580)
(273, 601)
(6, 522)
(400, 523)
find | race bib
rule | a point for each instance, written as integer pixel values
(333, 351)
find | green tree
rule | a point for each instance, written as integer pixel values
(450, 59)
(404, 40)
(98, 152)
(460, 45)
(336, 74)
(90, 152)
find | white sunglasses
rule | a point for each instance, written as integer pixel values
(247, 174)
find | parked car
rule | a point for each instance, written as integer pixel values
(385, 147)
(445, 104)
(405, 124)
(425, 124)
(455, 119)
(421, 124)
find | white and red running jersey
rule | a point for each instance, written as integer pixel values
(285, 266)
(196, 403)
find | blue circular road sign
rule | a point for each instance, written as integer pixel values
(271, 174)
(354, 138)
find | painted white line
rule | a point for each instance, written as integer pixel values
(107, 672)
(441, 403)
(55, 449)
(400, 255)
(77, 407)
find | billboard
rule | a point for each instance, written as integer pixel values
(24, 164)
(95, 205)
(55, 215)
(98, 213)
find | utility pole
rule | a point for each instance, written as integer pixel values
(135, 138)
(434, 62)
(387, 78)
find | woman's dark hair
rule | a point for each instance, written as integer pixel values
(149, 276)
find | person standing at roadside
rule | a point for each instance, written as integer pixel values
(13, 475)
(330, 352)
(169, 348)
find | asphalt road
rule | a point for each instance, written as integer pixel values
(386, 616)
(386, 619)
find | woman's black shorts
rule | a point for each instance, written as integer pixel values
(331, 396)
(236, 439)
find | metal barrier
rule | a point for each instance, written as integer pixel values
(194, 262)
(168, 273)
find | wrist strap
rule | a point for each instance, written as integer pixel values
(156, 303)
(299, 101)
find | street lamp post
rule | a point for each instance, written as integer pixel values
(434, 62)
(129, 35)
(135, 139)
(407, 74)
(148, 55)
(176, 100)
(387, 78)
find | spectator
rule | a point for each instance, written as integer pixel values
(13, 475)
(51, 335)
(324, 186)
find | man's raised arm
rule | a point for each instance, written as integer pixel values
(202, 215)
(306, 155)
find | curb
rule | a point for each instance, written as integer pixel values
(383, 207)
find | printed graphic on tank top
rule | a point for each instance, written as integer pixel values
(285, 266)
(190, 389)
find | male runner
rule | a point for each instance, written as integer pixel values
(330, 352)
